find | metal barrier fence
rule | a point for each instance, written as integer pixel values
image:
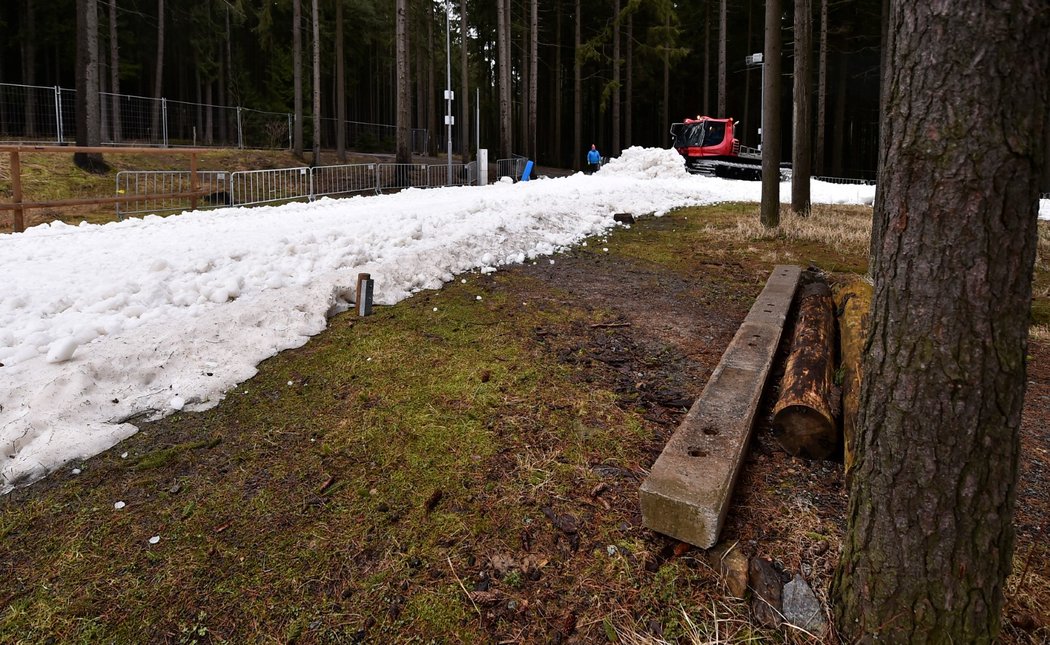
(344, 180)
(437, 176)
(846, 180)
(397, 176)
(512, 167)
(48, 114)
(212, 185)
(263, 186)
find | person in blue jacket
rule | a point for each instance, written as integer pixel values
(594, 159)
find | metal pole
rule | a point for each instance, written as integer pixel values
(477, 116)
(762, 109)
(448, 91)
(58, 114)
(240, 131)
(164, 119)
(289, 130)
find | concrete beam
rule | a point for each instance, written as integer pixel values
(688, 490)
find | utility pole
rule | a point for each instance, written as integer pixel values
(448, 90)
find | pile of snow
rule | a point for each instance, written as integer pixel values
(104, 323)
(646, 163)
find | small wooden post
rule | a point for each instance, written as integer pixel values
(193, 180)
(16, 189)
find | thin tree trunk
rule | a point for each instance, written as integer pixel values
(503, 36)
(340, 86)
(577, 92)
(822, 91)
(114, 74)
(523, 91)
(87, 100)
(770, 215)
(29, 66)
(707, 57)
(929, 538)
(746, 120)
(464, 90)
(297, 76)
(838, 133)
(801, 149)
(629, 99)
(404, 98)
(559, 148)
(158, 75)
(316, 19)
(534, 73)
(722, 60)
(209, 120)
(616, 125)
(665, 121)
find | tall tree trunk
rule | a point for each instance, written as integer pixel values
(822, 91)
(746, 120)
(559, 148)
(297, 76)
(523, 91)
(722, 60)
(404, 99)
(506, 136)
(29, 66)
(464, 89)
(770, 214)
(616, 125)
(665, 121)
(929, 526)
(629, 97)
(577, 92)
(316, 20)
(158, 75)
(838, 132)
(87, 104)
(114, 74)
(802, 142)
(426, 87)
(707, 57)
(340, 86)
(209, 119)
(534, 73)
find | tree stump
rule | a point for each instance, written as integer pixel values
(853, 304)
(804, 418)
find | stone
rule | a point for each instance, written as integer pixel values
(801, 607)
(731, 565)
(766, 584)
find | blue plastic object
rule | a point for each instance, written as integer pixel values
(528, 171)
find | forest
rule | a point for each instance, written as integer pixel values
(615, 73)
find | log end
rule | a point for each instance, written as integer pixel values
(804, 432)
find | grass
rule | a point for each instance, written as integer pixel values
(364, 485)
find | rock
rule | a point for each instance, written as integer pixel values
(801, 607)
(766, 585)
(731, 564)
(624, 218)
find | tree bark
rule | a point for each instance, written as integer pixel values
(822, 91)
(707, 58)
(929, 526)
(340, 86)
(628, 105)
(316, 21)
(803, 418)
(87, 100)
(404, 84)
(297, 76)
(577, 93)
(559, 108)
(466, 132)
(770, 209)
(114, 74)
(853, 304)
(29, 65)
(802, 142)
(838, 133)
(506, 136)
(722, 59)
(616, 125)
(665, 122)
(534, 74)
(158, 75)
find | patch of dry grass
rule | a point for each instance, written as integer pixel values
(842, 227)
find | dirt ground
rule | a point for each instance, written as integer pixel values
(788, 509)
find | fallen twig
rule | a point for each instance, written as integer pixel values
(462, 586)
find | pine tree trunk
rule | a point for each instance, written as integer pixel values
(802, 142)
(464, 90)
(209, 119)
(114, 74)
(316, 20)
(559, 148)
(158, 75)
(577, 93)
(426, 96)
(822, 91)
(87, 100)
(838, 132)
(297, 76)
(629, 97)
(722, 60)
(534, 74)
(403, 80)
(616, 125)
(770, 209)
(523, 90)
(503, 36)
(665, 122)
(29, 66)
(707, 58)
(340, 86)
(929, 536)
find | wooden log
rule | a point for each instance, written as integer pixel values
(853, 305)
(803, 418)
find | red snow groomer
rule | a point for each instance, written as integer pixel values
(710, 148)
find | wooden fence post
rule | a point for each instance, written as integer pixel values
(18, 224)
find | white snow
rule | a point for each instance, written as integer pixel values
(136, 319)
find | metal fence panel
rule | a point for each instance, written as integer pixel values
(138, 119)
(846, 180)
(344, 179)
(472, 173)
(165, 182)
(265, 186)
(28, 113)
(511, 167)
(395, 176)
(437, 175)
(264, 129)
